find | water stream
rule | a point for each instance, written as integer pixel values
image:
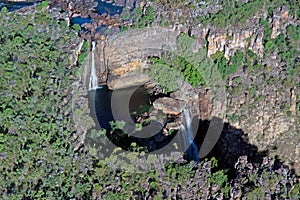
(109, 8)
(12, 6)
(93, 77)
(102, 8)
(190, 146)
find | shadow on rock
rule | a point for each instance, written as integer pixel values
(232, 144)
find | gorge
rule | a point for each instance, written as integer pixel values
(125, 112)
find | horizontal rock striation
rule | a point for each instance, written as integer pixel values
(122, 54)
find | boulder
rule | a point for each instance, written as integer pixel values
(169, 105)
(185, 93)
(173, 125)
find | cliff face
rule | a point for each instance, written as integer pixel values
(261, 102)
(122, 55)
(228, 40)
(280, 20)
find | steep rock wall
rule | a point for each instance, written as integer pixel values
(122, 55)
(259, 115)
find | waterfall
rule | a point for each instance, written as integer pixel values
(93, 77)
(190, 146)
(184, 136)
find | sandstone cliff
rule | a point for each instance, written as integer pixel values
(261, 102)
(260, 115)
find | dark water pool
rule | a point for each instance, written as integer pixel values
(124, 103)
(108, 8)
(80, 20)
(102, 8)
(107, 105)
(12, 6)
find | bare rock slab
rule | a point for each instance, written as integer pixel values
(169, 105)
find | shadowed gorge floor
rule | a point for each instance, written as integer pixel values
(119, 100)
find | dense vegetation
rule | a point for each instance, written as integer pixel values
(37, 157)
(174, 67)
(231, 12)
(35, 124)
(171, 67)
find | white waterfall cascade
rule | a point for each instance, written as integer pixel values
(93, 85)
(191, 148)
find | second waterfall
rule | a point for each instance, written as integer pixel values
(93, 77)
(191, 149)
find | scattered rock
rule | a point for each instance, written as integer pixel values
(173, 125)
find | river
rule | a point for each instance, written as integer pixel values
(12, 6)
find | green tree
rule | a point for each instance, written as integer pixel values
(34, 124)
(166, 76)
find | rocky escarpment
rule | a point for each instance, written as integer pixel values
(123, 55)
(250, 37)
(228, 41)
(257, 101)
(261, 102)
(123, 58)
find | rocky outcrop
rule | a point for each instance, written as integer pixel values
(19, 0)
(228, 41)
(258, 104)
(74, 57)
(173, 126)
(122, 54)
(279, 21)
(265, 170)
(262, 104)
(99, 26)
(169, 105)
(129, 3)
(185, 93)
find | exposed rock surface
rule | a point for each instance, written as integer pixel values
(185, 93)
(100, 25)
(173, 126)
(19, 0)
(128, 80)
(228, 40)
(279, 21)
(169, 105)
(245, 170)
(129, 3)
(262, 103)
(122, 54)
